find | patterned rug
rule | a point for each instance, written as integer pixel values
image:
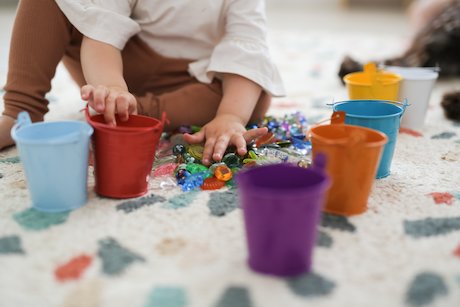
(175, 249)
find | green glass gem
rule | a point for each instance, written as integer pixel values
(231, 184)
(231, 160)
(194, 168)
(252, 155)
(195, 128)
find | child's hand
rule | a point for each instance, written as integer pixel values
(222, 131)
(6, 123)
(110, 101)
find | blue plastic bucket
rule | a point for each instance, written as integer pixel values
(55, 160)
(381, 115)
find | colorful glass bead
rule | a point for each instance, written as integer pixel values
(194, 168)
(250, 146)
(231, 184)
(192, 182)
(273, 145)
(212, 183)
(196, 151)
(163, 160)
(213, 167)
(165, 170)
(303, 146)
(283, 144)
(273, 154)
(223, 172)
(184, 129)
(179, 149)
(182, 175)
(188, 158)
(265, 139)
(231, 160)
(195, 128)
(303, 163)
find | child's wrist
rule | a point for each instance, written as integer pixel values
(232, 117)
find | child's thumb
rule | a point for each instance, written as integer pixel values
(194, 138)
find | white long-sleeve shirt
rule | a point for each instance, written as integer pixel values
(218, 36)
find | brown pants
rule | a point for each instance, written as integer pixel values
(42, 37)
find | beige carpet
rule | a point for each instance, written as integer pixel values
(172, 248)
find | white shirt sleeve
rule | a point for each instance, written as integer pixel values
(107, 21)
(243, 50)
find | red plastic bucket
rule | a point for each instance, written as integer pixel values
(124, 154)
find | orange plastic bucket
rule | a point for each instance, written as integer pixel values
(353, 154)
(373, 84)
(124, 154)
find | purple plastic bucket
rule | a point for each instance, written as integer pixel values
(282, 205)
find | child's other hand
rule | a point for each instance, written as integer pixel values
(110, 101)
(222, 131)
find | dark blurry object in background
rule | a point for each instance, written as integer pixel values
(348, 66)
(451, 105)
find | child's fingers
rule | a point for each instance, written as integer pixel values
(122, 107)
(132, 109)
(240, 144)
(99, 95)
(86, 92)
(109, 112)
(207, 151)
(195, 138)
(219, 147)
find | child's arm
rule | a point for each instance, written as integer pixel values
(228, 127)
(106, 91)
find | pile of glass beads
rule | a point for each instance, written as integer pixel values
(285, 142)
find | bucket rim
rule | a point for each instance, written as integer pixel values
(345, 141)
(387, 102)
(267, 192)
(415, 73)
(70, 137)
(391, 78)
(158, 124)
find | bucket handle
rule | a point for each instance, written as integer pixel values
(337, 117)
(23, 120)
(403, 105)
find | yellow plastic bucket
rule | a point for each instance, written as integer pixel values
(373, 84)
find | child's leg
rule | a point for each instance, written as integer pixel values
(41, 35)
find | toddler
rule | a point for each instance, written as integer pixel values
(203, 62)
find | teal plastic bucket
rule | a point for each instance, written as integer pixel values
(55, 160)
(381, 115)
